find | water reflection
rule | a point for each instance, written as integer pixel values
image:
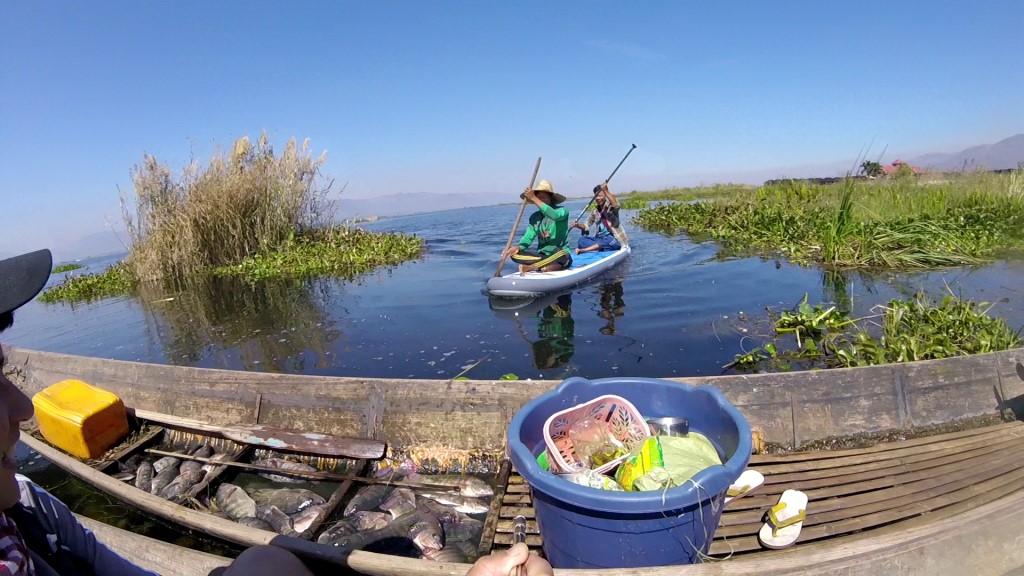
(612, 306)
(276, 325)
(554, 345)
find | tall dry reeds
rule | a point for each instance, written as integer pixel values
(244, 203)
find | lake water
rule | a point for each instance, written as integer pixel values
(675, 308)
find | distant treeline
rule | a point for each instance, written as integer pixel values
(930, 174)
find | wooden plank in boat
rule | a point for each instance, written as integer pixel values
(810, 455)
(923, 492)
(487, 538)
(869, 481)
(866, 458)
(335, 500)
(277, 438)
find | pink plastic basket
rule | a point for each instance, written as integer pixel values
(621, 417)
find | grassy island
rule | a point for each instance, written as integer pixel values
(247, 213)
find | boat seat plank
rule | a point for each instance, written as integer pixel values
(854, 494)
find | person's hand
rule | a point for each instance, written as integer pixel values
(501, 563)
(511, 251)
(604, 187)
(530, 195)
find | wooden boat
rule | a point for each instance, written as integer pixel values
(161, 557)
(584, 267)
(460, 426)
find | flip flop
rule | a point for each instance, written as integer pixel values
(785, 520)
(748, 481)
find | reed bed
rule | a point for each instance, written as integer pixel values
(249, 213)
(900, 223)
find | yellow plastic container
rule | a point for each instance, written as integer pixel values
(80, 419)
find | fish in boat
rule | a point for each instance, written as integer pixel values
(287, 500)
(427, 535)
(458, 552)
(204, 451)
(162, 479)
(303, 521)
(466, 529)
(165, 463)
(126, 476)
(144, 475)
(254, 522)
(401, 501)
(363, 521)
(281, 522)
(469, 486)
(458, 502)
(218, 457)
(234, 502)
(406, 527)
(181, 484)
(367, 498)
(282, 464)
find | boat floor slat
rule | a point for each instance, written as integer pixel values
(811, 455)
(876, 483)
(853, 494)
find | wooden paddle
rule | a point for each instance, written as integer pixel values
(315, 475)
(522, 208)
(277, 438)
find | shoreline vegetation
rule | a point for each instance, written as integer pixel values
(896, 223)
(248, 213)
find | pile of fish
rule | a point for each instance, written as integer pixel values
(287, 511)
(433, 524)
(169, 477)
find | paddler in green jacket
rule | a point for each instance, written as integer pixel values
(550, 226)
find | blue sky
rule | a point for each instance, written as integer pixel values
(427, 96)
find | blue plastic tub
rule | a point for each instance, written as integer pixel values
(589, 528)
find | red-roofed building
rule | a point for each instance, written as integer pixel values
(895, 166)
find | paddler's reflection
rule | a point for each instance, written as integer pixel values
(612, 306)
(556, 334)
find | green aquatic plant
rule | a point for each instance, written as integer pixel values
(900, 331)
(114, 281)
(344, 252)
(67, 267)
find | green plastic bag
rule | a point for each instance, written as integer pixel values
(684, 457)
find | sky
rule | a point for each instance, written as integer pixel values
(444, 96)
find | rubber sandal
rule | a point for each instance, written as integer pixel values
(748, 481)
(785, 520)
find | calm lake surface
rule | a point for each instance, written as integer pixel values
(675, 308)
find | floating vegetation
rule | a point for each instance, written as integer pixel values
(809, 337)
(67, 267)
(893, 224)
(114, 281)
(344, 252)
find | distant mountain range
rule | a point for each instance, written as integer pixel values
(414, 203)
(1007, 153)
